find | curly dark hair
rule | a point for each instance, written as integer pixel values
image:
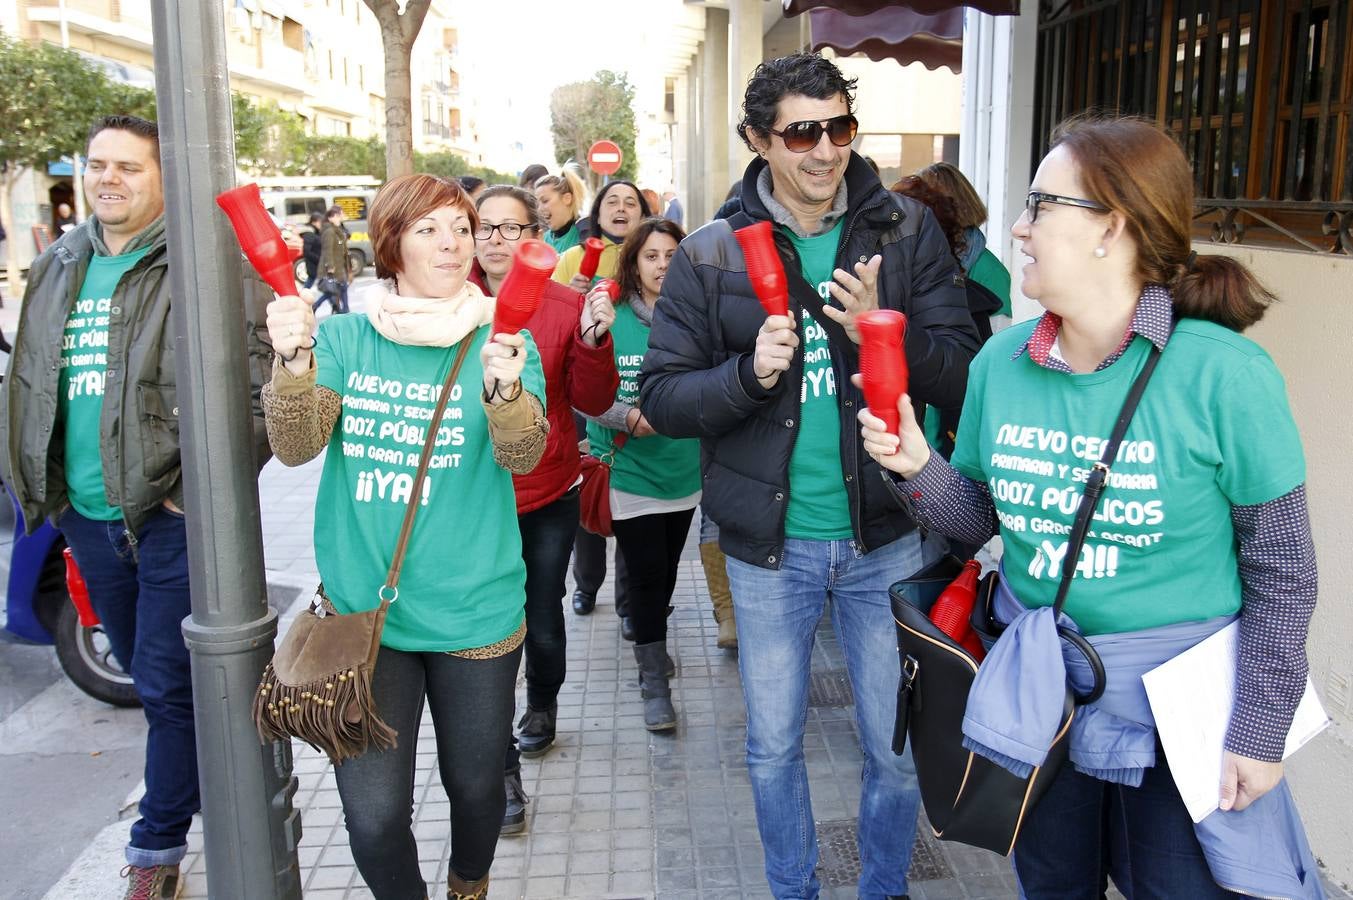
(941, 204)
(806, 74)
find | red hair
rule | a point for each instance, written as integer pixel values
(403, 201)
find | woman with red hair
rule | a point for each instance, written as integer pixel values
(364, 388)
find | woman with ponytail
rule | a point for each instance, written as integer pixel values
(1203, 522)
(562, 198)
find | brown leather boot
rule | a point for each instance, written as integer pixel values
(716, 576)
(458, 888)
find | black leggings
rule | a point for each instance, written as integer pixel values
(471, 702)
(652, 549)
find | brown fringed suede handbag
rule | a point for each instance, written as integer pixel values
(318, 685)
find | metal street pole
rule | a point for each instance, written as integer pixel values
(251, 829)
(77, 180)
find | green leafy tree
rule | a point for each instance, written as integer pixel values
(268, 140)
(337, 155)
(584, 112)
(453, 165)
(49, 96)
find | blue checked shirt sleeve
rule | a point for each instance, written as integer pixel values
(942, 499)
(1278, 580)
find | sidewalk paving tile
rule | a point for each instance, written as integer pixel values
(617, 813)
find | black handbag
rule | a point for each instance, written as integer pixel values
(968, 798)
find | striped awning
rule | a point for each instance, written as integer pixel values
(926, 31)
(925, 7)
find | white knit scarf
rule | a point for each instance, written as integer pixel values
(427, 322)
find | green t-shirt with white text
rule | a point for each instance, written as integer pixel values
(655, 466)
(818, 507)
(84, 360)
(463, 583)
(1213, 431)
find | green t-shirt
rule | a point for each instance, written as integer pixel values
(992, 275)
(655, 466)
(84, 358)
(569, 239)
(463, 583)
(818, 507)
(1213, 430)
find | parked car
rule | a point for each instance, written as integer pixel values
(292, 200)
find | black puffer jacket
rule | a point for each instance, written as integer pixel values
(697, 377)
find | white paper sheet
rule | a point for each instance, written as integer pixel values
(1191, 698)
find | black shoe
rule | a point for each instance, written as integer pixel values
(583, 603)
(535, 731)
(627, 628)
(514, 814)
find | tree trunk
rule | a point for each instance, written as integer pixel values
(398, 108)
(8, 179)
(398, 32)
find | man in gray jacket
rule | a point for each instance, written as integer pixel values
(91, 440)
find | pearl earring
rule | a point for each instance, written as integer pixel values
(1100, 253)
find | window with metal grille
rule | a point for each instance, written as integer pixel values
(1259, 93)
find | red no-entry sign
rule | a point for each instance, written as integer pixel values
(604, 157)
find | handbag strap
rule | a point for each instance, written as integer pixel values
(415, 495)
(1094, 486)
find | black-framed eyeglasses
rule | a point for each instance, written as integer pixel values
(509, 230)
(800, 137)
(1037, 197)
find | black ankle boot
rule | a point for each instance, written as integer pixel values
(535, 733)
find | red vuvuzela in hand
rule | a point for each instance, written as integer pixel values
(882, 363)
(259, 237)
(611, 287)
(592, 248)
(764, 268)
(519, 297)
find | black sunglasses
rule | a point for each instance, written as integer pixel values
(1037, 197)
(800, 137)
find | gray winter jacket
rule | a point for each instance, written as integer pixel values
(139, 427)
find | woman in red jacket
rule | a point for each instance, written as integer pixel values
(579, 363)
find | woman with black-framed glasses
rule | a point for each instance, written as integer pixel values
(1202, 525)
(577, 357)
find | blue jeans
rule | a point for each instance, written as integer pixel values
(778, 613)
(337, 302)
(1085, 829)
(142, 602)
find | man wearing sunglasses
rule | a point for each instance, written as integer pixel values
(803, 512)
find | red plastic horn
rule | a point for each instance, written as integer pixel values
(79, 592)
(611, 287)
(592, 248)
(519, 297)
(259, 237)
(882, 362)
(764, 267)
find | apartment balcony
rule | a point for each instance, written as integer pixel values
(125, 24)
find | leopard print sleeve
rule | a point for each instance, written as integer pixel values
(300, 415)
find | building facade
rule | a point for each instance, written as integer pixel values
(321, 60)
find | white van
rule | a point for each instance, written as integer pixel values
(293, 199)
